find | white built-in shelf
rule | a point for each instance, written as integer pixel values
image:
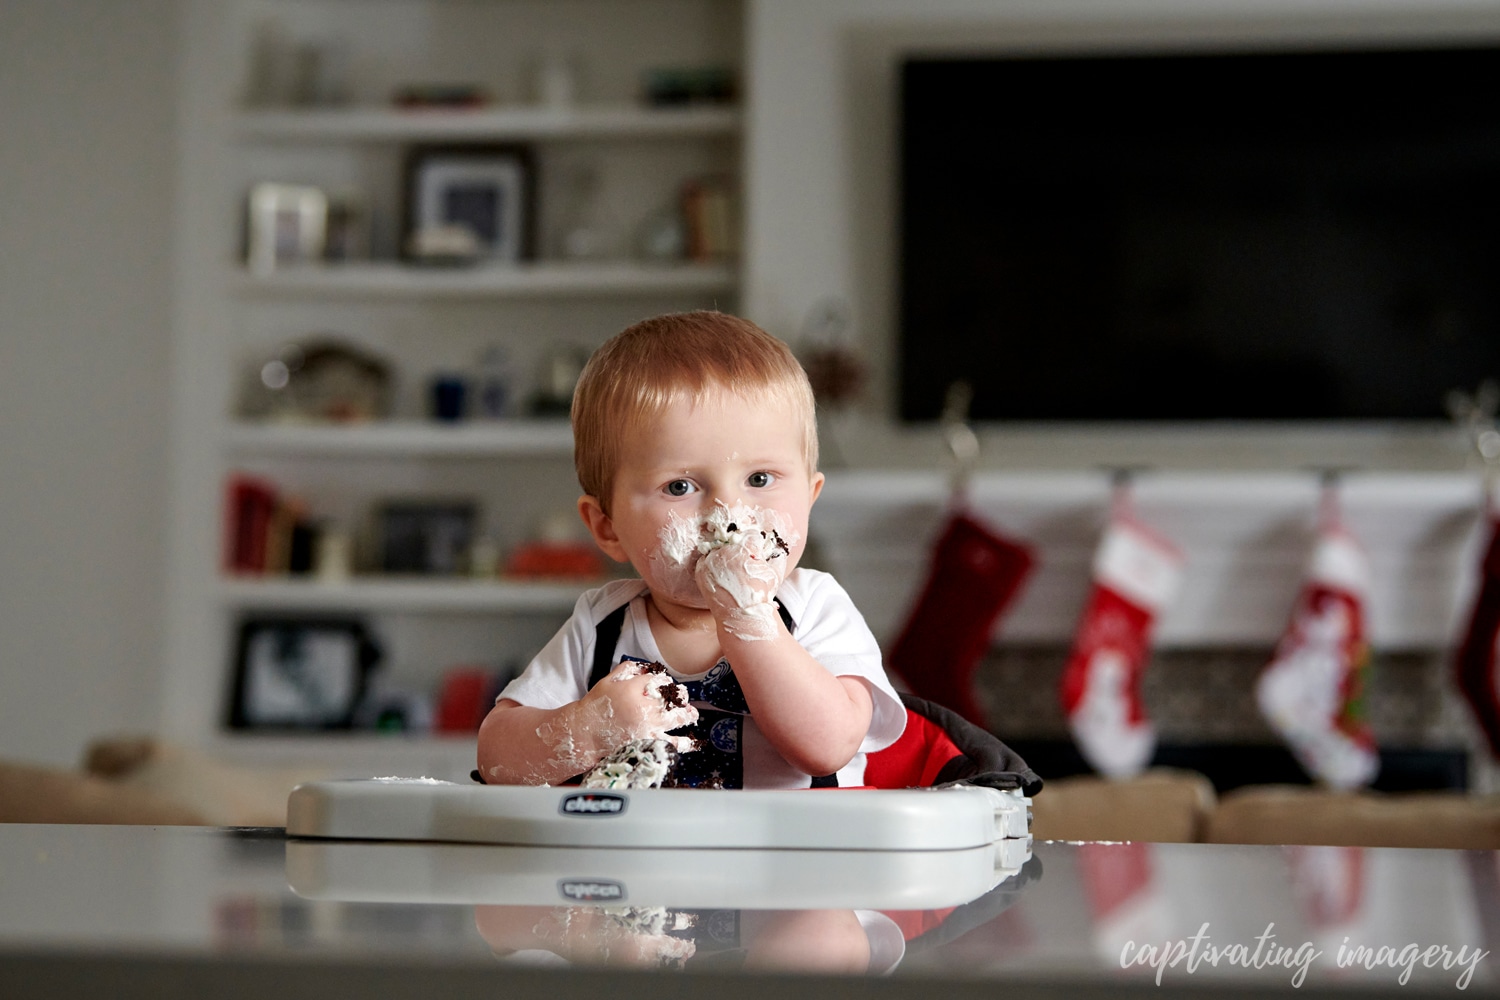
(403, 594)
(515, 438)
(388, 124)
(534, 280)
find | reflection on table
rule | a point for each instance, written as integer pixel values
(1096, 916)
(839, 912)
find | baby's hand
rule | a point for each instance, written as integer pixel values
(637, 702)
(638, 936)
(739, 579)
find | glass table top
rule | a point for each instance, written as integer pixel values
(1117, 915)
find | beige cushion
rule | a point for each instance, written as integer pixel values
(225, 794)
(33, 794)
(1162, 806)
(1292, 814)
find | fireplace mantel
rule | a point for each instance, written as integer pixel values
(1246, 537)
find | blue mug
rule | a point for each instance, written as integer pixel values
(449, 395)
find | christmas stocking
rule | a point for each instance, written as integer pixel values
(1127, 901)
(1311, 691)
(974, 575)
(1136, 573)
(1475, 664)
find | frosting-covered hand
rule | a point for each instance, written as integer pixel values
(636, 701)
(641, 701)
(743, 562)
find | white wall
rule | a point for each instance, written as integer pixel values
(87, 100)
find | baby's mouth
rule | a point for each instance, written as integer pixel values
(685, 540)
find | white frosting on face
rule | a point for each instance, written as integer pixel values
(683, 540)
(733, 556)
(679, 538)
(742, 558)
(672, 561)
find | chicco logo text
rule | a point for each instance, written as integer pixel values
(591, 890)
(593, 804)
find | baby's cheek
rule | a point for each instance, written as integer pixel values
(674, 580)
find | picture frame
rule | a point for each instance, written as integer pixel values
(286, 224)
(300, 673)
(487, 190)
(426, 537)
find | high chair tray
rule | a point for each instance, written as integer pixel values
(487, 874)
(421, 809)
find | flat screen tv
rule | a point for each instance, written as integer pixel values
(1295, 236)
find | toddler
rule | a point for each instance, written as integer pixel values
(723, 664)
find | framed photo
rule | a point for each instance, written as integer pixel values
(426, 537)
(483, 192)
(293, 673)
(287, 224)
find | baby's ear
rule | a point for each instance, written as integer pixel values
(601, 528)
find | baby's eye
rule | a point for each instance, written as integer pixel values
(760, 480)
(680, 487)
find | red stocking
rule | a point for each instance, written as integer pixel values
(1475, 664)
(1312, 691)
(974, 575)
(1136, 574)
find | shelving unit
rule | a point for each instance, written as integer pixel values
(525, 280)
(498, 438)
(379, 124)
(401, 595)
(422, 319)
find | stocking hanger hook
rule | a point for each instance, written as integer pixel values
(1475, 416)
(963, 443)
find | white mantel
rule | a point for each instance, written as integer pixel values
(1246, 538)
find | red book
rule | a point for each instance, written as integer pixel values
(250, 505)
(461, 703)
(561, 560)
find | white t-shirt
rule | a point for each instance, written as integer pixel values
(827, 625)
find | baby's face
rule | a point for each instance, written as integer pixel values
(678, 470)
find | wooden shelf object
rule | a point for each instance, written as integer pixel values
(403, 594)
(536, 280)
(517, 437)
(486, 124)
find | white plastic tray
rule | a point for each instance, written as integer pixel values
(946, 819)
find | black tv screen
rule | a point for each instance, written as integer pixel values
(1288, 236)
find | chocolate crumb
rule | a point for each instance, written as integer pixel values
(671, 696)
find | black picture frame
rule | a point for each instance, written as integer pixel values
(300, 673)
(488, 188)
(426, 537)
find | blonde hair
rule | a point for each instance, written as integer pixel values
(650, 365)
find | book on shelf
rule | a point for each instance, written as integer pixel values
(265, 531)
(710, 218)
